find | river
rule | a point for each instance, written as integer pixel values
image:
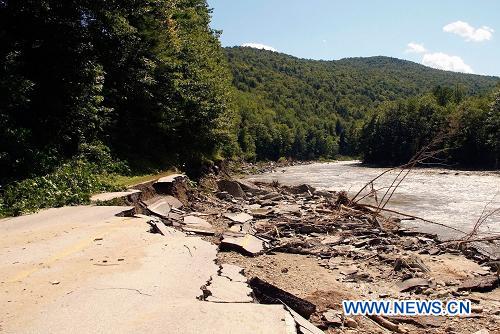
(452, 197)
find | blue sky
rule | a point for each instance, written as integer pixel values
(455, 35)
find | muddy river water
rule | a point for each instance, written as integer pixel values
(454, 198)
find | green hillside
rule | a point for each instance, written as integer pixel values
(309, 108)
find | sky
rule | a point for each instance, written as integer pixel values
(455, 35)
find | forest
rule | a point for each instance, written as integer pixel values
(95, 88)
(379, 108)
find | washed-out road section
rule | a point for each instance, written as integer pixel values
(85, 270)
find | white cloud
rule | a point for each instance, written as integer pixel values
(446, 62)
(413, 47)
(468, 32)
(259, 46)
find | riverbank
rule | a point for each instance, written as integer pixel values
(456, 199)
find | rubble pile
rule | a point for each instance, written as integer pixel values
(368, 255)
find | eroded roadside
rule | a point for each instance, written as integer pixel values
(318, 247)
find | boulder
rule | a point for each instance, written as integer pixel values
(233, 188)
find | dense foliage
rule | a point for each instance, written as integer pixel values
(145, 77)
(143, 80)
(309, 109)
(469, 129)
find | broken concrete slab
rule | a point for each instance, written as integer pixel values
(247, 244)
(233, 188)
(267, 293)
(412, 283)
(480, 284)
(171, 178)
(241, 217)
(159, 207)
(197, 225)
(245, 228)
(332, 240)
(224, 290)
(288, 208)
(233, 272)
(130, 194)
(304, 326)
(173, 202)
(262, 212)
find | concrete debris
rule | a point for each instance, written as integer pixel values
(158, 226)
(333, 318)
(241, 217)
(304, 326)
(197, 225)
(233, 188)
(171, 178)
(301, 189)
(412, 283)
(159, 207)
(267, 293)
(173, 202)
(232, 272)
(247, 244)
(130, 195)
(480, 284)
(411, 262)
(224, 290)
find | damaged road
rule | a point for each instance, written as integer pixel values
(229, 256)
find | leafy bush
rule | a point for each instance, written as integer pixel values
(70, 184)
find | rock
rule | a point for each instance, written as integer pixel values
(288, 208)
(411, 283)
(476, 309)
(434, 251)
(412, 262)
(350, 322)
(267, 293)
(247, 244)
(271, 196)
(324, 193)
(331, 240)
(480, 284)
(262, 212)
(55, 282)
(333, 318)
(241, 217)
(233, 188)
(301, 189)
(197, 225)
(349, 271)
(249, 187)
